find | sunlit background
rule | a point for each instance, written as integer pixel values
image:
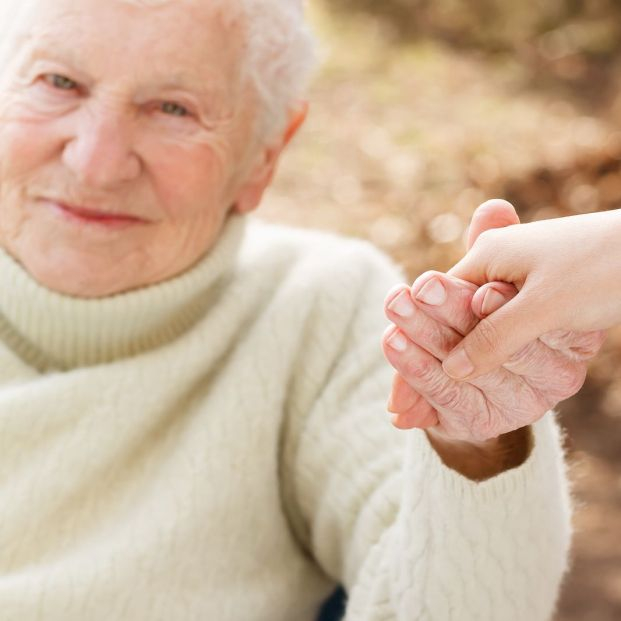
(421, 110)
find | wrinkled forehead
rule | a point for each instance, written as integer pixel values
(188, 35)
(22, 14)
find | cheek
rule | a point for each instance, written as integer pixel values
(191, 181)
(23, 148)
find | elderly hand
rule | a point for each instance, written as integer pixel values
(430, 320)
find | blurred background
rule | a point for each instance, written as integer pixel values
(421, 110)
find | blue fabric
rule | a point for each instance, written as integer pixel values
(334, 608)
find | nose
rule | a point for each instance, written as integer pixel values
(100, 152)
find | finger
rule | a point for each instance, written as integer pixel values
(577, 345)
(493, 214)
(491, 405)
(402, 397)
(472, 268)
(495, 339)
(546, 369)
(434, 337)
(492, 296)
(416, 420)
(418, 368)
(445, 299)
(458, 404)
(409, 407)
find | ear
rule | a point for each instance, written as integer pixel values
(251, 192)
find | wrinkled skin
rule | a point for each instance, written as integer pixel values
(545, 372)
(140, 113)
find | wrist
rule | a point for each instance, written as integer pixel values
(479, 461)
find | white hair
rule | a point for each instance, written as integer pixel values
(280, 58)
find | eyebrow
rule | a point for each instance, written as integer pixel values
(40, 51)
(180, 80)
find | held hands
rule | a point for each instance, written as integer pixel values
(432, 318)
(568, 273)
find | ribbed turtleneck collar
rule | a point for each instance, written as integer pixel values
(51, 331)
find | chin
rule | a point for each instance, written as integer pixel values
(80, 276)
(89, 264)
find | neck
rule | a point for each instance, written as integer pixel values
(52, 331)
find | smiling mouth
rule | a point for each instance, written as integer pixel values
(93, 216)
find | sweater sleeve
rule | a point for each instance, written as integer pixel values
(408, 537)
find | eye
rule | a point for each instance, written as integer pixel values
(60, 82)
(174, 109)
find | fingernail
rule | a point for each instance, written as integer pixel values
(492, 301)
(398, 342)
(432, 293)
(458, 365)
(402, 305)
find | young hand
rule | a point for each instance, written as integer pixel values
(567, 271)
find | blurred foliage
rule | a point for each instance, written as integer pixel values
(558, 27)
(571, 42)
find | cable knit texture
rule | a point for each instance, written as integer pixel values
(217, 447)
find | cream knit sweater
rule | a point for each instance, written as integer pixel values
(216, 448)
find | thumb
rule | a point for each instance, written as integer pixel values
(471, 267)
(493, 214)
(494, 340)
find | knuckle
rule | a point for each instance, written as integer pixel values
(450, 397)
(433, 383)
(446, 394)
(563, 385)
(590, 345)
(574, 380)
(447, 340)
(487, 336)
(419, 369)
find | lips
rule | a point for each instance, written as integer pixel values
(93, 216)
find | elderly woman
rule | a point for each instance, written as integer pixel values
(192, 403)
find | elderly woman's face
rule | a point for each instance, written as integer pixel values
(122, 133)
